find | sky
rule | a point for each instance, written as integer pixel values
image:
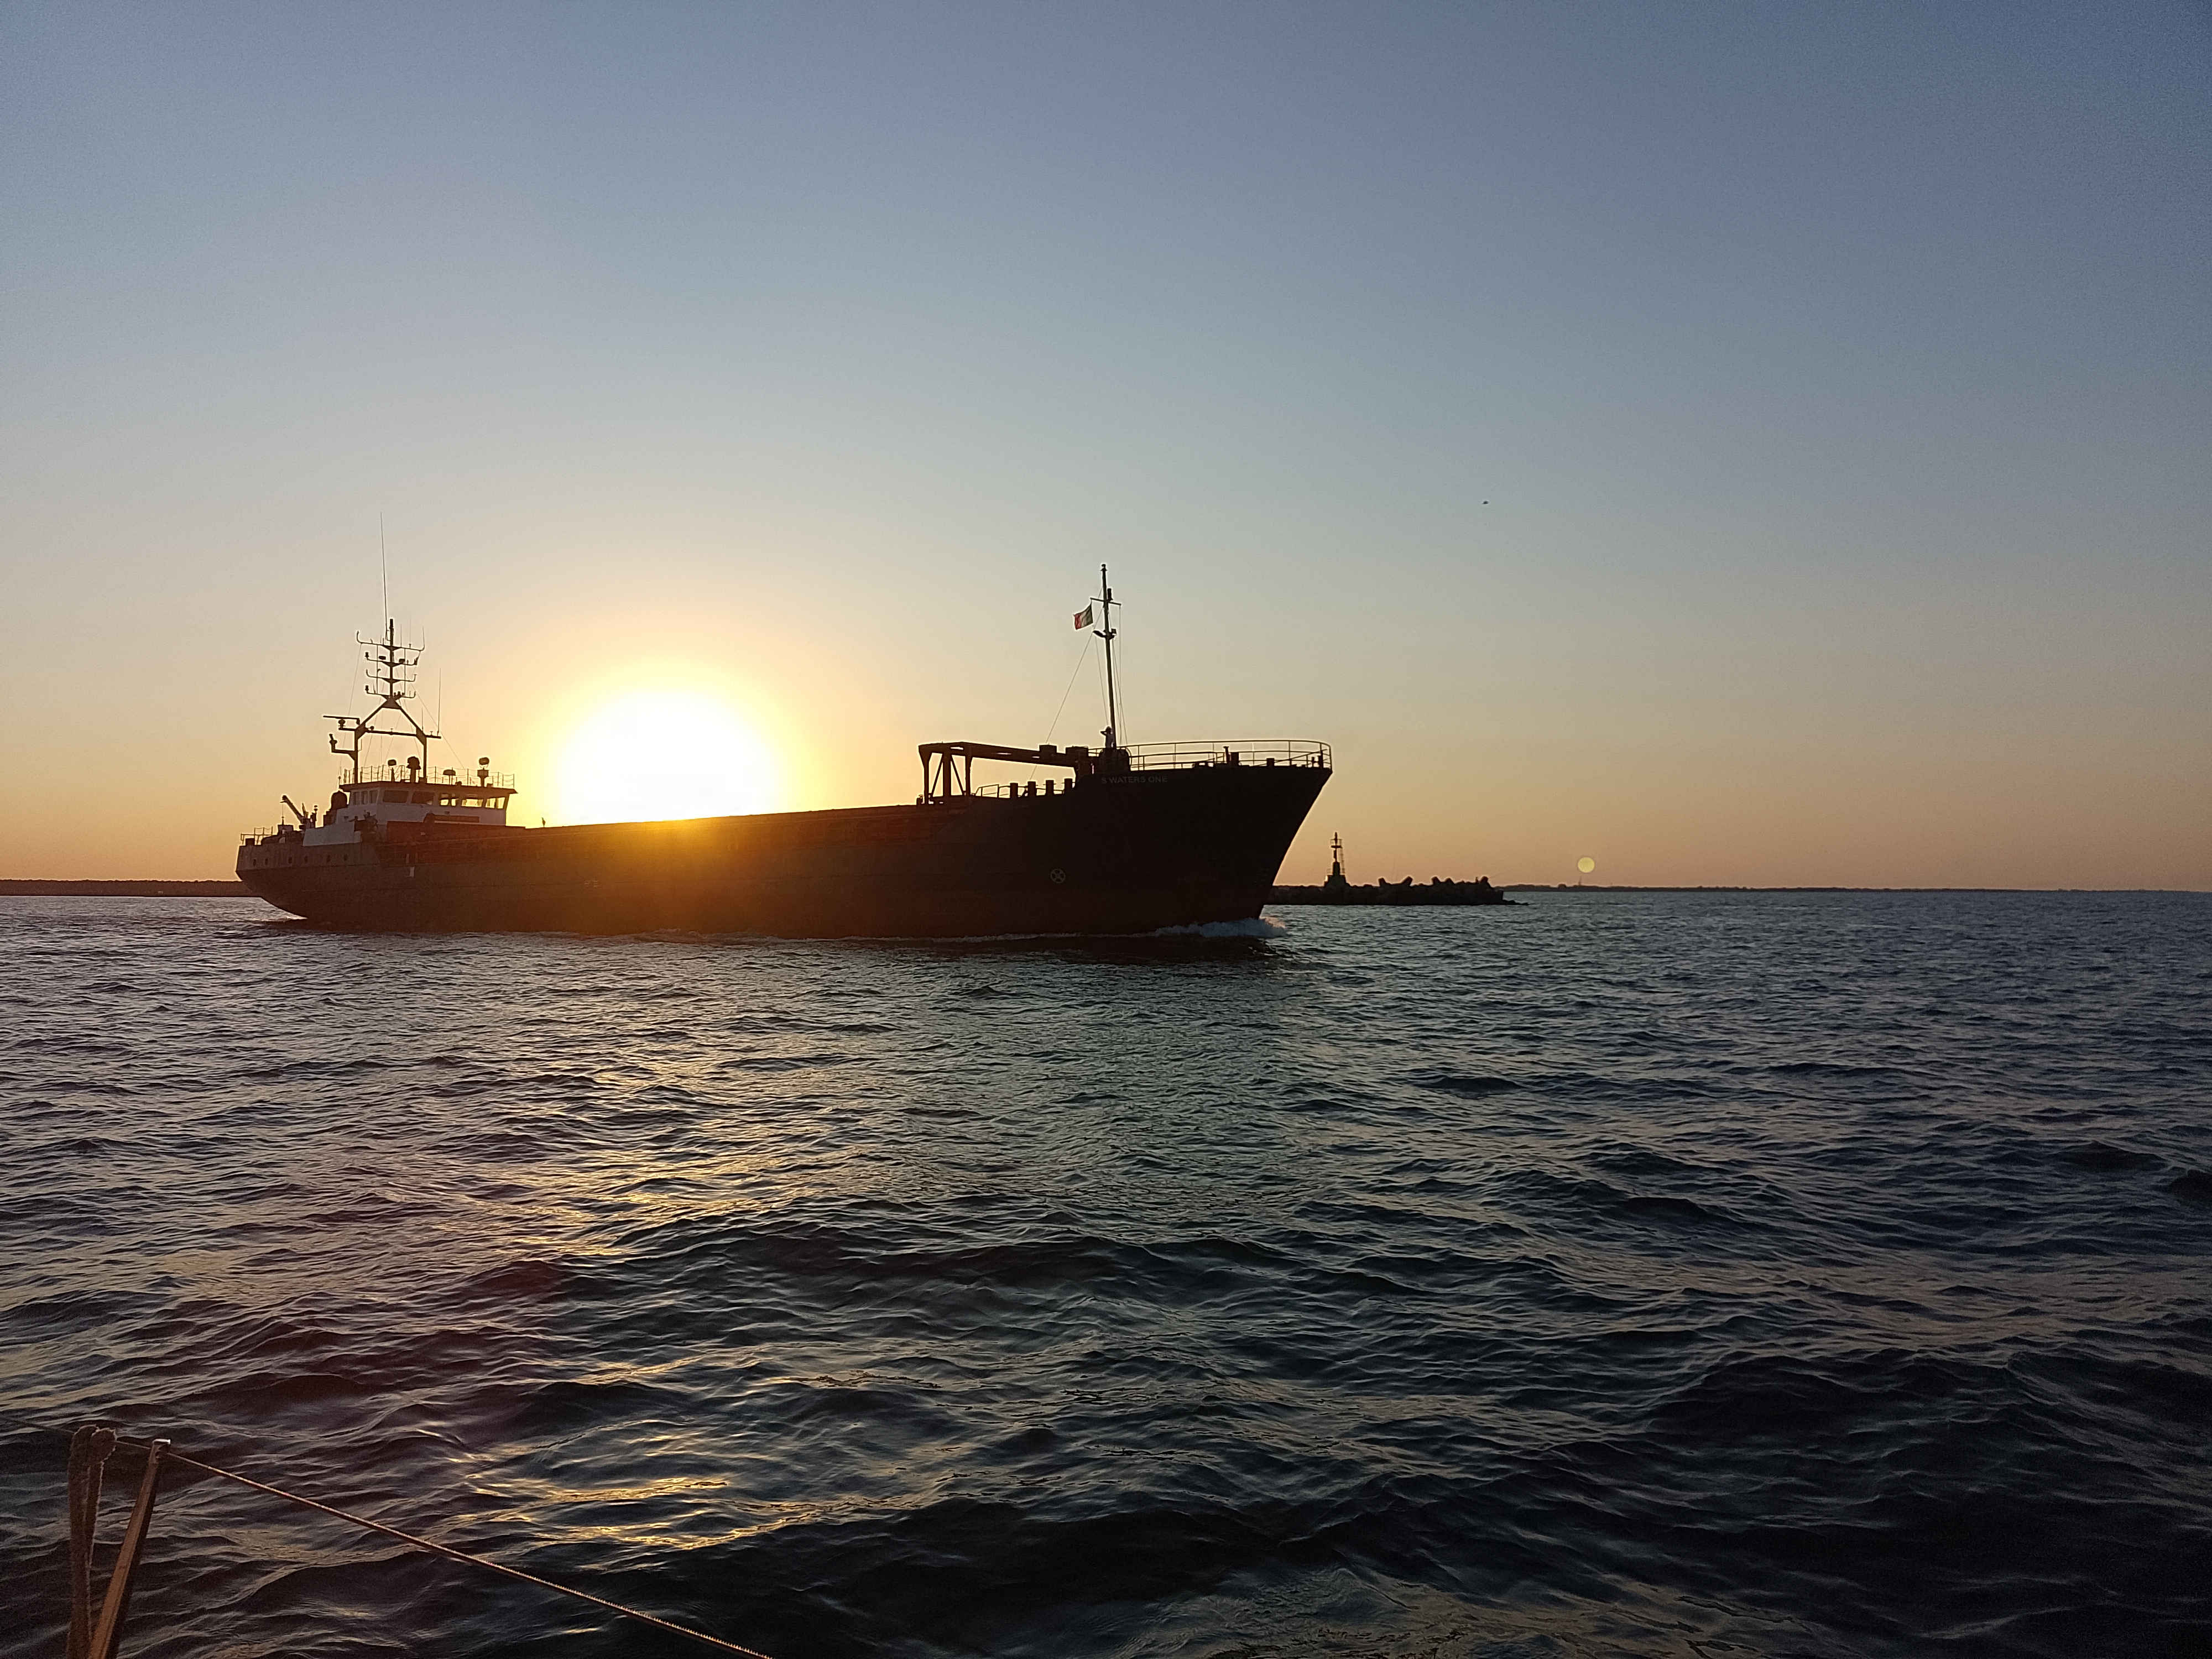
(1739, 444)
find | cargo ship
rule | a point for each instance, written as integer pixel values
(1122, 839)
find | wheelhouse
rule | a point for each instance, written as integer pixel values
(368, 799)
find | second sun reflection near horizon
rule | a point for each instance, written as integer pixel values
(664, 754)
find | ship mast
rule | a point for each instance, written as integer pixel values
(1107, 634)
(391, 682)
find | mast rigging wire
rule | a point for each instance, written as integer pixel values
(449, 1552)
(1062, 710)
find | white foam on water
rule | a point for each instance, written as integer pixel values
(1250, 928)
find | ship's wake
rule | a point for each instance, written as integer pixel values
(1250, 927)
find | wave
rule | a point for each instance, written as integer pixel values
(1474, 1085)
(1679, 1270)
(2192, 1187)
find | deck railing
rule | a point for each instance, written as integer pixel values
(1189, 757)
(1235, 751)
(405, 779)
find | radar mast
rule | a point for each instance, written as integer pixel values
(1108, 632)
(391, 681)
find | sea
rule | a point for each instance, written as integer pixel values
(1690, 1274)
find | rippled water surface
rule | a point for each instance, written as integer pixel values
(1658, 1273)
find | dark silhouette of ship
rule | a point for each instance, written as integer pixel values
(1121, 840)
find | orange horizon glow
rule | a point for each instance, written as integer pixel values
(1604, 463)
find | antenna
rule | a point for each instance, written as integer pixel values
(1108, 633)
(392, 667)
(383, 565)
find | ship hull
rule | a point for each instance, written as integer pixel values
(1127, 854)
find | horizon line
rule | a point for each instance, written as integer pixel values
(111, 887)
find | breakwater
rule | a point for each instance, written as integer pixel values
(1436, 890)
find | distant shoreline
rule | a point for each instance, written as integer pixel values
(24, 889)
(1593, 887)
(125, 890)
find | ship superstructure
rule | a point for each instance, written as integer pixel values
(1122, 839)
(370, 795)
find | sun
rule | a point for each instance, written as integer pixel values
(663, 753)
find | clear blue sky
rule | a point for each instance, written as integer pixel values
(1739, 443)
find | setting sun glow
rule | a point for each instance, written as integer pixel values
(663, 753)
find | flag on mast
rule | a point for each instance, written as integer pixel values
(1083, 617)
